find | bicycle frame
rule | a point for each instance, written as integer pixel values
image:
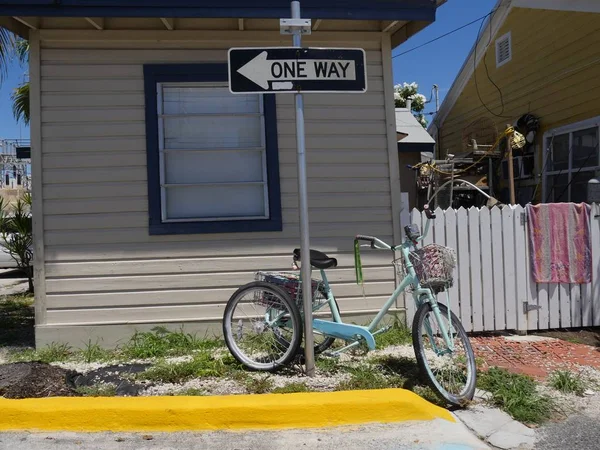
(420, 295)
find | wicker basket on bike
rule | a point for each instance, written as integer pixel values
(434, 265)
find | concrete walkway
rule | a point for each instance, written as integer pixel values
(497, 428)
(418, 435)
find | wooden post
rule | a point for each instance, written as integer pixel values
(511, 171)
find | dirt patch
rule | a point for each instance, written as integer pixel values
(587, 336)
(35, 380)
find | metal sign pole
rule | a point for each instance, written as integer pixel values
(309, 340)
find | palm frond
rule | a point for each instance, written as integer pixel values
(20, 99)
(22, 50)
(7, 42)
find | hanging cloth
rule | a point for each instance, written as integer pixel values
(559, 242)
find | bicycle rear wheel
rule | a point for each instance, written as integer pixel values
(262, 326)
(450, 372)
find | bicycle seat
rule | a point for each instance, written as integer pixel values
(317, 259)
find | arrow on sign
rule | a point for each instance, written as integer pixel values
(261, 70)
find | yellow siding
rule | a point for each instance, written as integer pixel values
(554, 74)
(102, 266)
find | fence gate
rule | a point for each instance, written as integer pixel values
(493, 286)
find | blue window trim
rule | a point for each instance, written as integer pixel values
(421, 10)
(165, 73)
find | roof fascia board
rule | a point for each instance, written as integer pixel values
(592, 6)
(413, 10)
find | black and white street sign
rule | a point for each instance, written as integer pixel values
(289, 69)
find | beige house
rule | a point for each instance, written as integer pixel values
(157, 192)
(543, 62)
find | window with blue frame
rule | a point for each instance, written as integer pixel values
(212, 155)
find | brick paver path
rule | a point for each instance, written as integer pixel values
(535, 358)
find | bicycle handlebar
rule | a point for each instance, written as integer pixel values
(376, 243)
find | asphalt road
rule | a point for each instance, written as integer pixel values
(580, 431)
(433, 435)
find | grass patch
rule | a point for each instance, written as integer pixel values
(98, 390)
(517, 395)
(327, 365)
(191, 392)
(567, 382)
(160, 343)
(428, 394)
(54, 352)
(291, 388)
(259, 385)
(17, 320)
(202, 364)
(398, 334)
(366, 377)
(93, 353)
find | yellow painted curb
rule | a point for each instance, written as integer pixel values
(235, 412)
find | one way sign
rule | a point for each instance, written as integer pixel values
(290, 69)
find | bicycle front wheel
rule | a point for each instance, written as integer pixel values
(451, 371)
(262, 326)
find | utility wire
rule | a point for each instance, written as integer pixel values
(486, 71)
(443, 35)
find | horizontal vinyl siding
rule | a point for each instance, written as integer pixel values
(103, 267)
(554, 74)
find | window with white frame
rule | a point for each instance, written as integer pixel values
(212, 147)
(572, 158)
(212, 156)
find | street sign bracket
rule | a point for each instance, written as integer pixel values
(295, 26)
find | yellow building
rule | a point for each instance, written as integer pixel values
(536, 57)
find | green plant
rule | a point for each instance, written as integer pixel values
(291, 388)
(54, 352)
(259, 385)
(17, 320)
(161, 342)
(427, 393)
(93, 352)
(398, 334)
(191, 392)
(20, 102)
(406, 91)
(366, 377)
(202, 364)
(568, 382)
(17, 235)
(327, 365)
(517, 395)
(97, 390)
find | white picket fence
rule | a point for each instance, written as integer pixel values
(493, 287)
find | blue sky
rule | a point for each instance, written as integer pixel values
(437, 63)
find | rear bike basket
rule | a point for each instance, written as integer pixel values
(290, 282)
(434, 265)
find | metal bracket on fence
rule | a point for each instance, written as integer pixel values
(523, 218)
(527, 307)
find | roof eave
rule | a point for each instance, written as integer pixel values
(407, 10)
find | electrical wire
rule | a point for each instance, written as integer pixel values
(444, 35)
(486, 70)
